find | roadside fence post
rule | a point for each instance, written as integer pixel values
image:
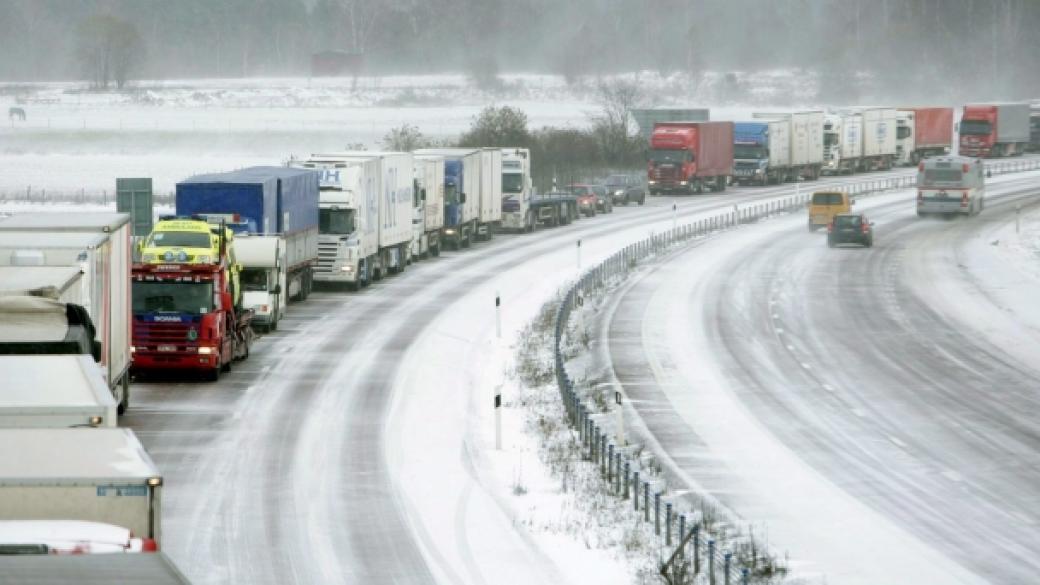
(646, 501)
(725, 569)
(610, 463)
(626, 480)
(696, 549)
(744, 576)
(682, 532)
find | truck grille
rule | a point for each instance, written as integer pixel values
(327, 253)
(149, 334)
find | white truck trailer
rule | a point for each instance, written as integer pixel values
(104, 259)
(92, 569)
(462, 194)
(807, 144)
(428, 218)
(490, 192)
(61, 283)
(264, 278)
(879, 139)
(517, 188)
(843, 143)
(97, 475)
(54, 391)
(395, 188)
(348, 231)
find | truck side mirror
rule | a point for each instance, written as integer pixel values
(95, 350)
(462, 198)
(277, 290)
(422, 195)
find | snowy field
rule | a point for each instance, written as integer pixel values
(74, 140)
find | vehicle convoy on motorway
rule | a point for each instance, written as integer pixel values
(950, 185)
(690, 157)
(98, 244)
(263, 201)
(824, 205)
(186, 316)
(54, 391)
(91, 474)
(850, 228)
(626, 189)
(994, 130)
(922, 132)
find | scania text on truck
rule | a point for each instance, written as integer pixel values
(99, 245)
(185, 317)
(517, 188)
(348, 231)
(264, 279)
(690, 157)
(950, 185)
(94, 474)
(263, 201)
(762, 152)
(922, 132)
(395, 186)
(428, 218)
(54, 391)
(461, 194)
(994, 130)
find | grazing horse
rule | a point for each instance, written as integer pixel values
(15, 112)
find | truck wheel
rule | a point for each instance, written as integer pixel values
(227, 367)
(435, 250)
(274, 325)
(214, 374)
(721, 181)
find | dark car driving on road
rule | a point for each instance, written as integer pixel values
(625, 189)
(850, 228)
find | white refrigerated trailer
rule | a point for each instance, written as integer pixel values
(54, 391)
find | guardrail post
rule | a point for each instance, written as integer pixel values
(711, 561)
(682, 532)
(610, 463)
(635, 490)
(727, 560)
(646, 501)
(657, 513)
(744, 576)
(668, 524)
(696, 549)
(603, 453)
(626, 480)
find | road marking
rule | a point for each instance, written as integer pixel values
(953, 476)
(828, 387)
(859, 412)
(896, 440)
(806, 366)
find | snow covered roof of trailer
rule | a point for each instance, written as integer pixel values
(447, 151)
(25, 319)
(53, 383)
(43, 281)
(249, 175)
(71, 456)
(65, 221)
(31, 240)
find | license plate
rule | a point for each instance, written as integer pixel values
(167, 348)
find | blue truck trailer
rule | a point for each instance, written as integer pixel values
(462, 194)
(263, 201)
(761, 152)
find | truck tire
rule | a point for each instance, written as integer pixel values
(214, 374)
(721, 182)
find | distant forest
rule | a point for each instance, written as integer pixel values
(923, 42)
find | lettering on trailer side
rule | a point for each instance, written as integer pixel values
(121, 490)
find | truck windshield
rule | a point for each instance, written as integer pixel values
(178, 240)
(668, 156)
(975, 127)
(174, 297)
(745, 151)
(942, 176)
(254, 279)
(512, 182)
(830, 139)
(336, 221)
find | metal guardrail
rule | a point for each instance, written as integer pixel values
(697, 557)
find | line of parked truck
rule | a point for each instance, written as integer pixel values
(693, 156)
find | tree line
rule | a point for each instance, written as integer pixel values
(908, 46)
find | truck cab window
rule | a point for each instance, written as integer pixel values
(254, 279)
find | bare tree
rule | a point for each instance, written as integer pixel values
(611, 126)
(110, 49)
(405, 138)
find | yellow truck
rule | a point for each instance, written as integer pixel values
(193, 241)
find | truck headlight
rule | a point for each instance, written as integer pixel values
(758, 171)
(652, 182)
(205, 350)
(682, 182)
(619, 193)
(347, 268)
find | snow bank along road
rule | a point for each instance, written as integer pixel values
(350, 446)
(876, 409)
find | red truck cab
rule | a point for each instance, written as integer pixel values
(978, 131)
(690, 156)
(184, 319)
(994, 130)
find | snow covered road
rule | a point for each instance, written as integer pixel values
(350, 446)
(875, 408)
